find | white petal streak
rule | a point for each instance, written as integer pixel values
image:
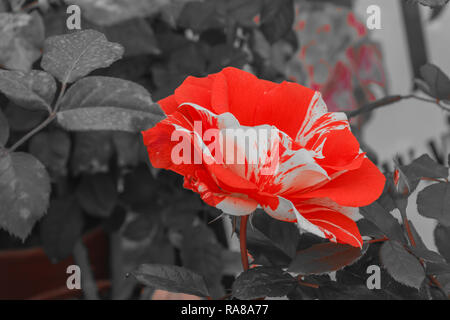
(321, 127)
(237, 206)
(287, 212)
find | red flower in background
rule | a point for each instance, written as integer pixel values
(322, 175)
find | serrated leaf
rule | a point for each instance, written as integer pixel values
(21, 39)
(432, 3)
(61, 228)
(172, 279)
(437, 81)
(401, 265)
(24, 192)
(381, 218)
(277, 18)
(33, 90)
(111, 104)
(324, 257)
(106, 118)
(427, 255)
(283, 234)
(111, 12)
(4, 129)
(263, 282)
(442, 241)
(434, 202)
(72, 56)
(97, 194)
(423, 167)
(52, 148)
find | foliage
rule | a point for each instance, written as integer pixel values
(71, 156)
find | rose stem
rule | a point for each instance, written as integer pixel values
(243, 241)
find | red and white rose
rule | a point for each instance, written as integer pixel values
(318, 174)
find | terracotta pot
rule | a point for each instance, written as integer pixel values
(29, 274)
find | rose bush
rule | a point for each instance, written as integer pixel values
(72, 161)
(322, 174)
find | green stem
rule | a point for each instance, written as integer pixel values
(243, 241)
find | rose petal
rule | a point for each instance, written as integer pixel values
(356, 188)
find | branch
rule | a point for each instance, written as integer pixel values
(46, 122)
(33, 132)
(391, 100)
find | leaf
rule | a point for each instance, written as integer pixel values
(200, 16)
(423, 167)
(401, 265)
(367, 228)
(434, 202)
(243, 11)
(97, 91)
(284, 235)
(201, 253)
(141, 227)
(52, 148)
(91, 152)
(171, 278)
(33, 90)
(442, 240)
(437, 268)
(4, 129)
(224, 55)
(21, 119)
(381, 218)
(111, 104)
(72, 56)
(427, 255)
(437, 82)
(24, 192)
(111, 12)
(324, 257)
(432, 3)
(61, 228)
(106, 118)
(129, 148)
(21, 39)
(140, 190)
(97, 194)
(263, 249)
(277, 18)
(263, 282)
(142, 41)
